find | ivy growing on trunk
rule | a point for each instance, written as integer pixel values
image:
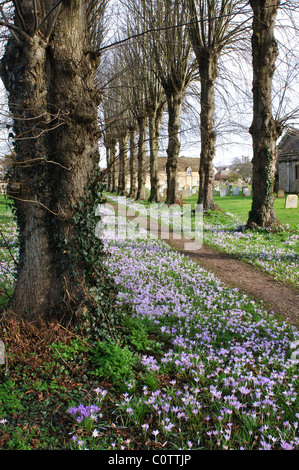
(98, 317)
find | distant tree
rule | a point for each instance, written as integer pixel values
(149, 88)
(232, 177)
(215, 26)
(244, 168)
(168, 50)
(133, 158)
(133, 94)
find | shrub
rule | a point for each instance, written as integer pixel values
(113, 362)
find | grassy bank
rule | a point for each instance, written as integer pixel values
(240, 206)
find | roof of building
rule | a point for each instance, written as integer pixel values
(289, 142)
(183, 163)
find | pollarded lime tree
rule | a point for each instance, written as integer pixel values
(48, 70)
(215, 26)
(167, 41)
(264, 128)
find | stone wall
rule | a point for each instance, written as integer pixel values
(287, 174)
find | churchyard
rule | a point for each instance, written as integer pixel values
(276, 253)
(200, 366)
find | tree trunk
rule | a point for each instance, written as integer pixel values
(142, 123)
(175, 103)
(108, 159)
(133, 162)
(207, 60)
(123, 142)
(114, 165)
(155, 121)
(264, 130)
(52, 99)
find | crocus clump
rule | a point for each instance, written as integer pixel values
(275, 253)
(225, 377)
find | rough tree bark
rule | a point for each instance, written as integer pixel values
(175, 101)
(123, 155)
(49, 76)
(133, 162)
(213, 28)
(208, 70)
(108, 158)
(264, 130)
(113, 166)
(142, 123)
(155, 120)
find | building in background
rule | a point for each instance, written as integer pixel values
(287, 177)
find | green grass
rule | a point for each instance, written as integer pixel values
(240, 207)
(275, 253)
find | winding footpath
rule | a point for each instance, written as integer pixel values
(277, 297)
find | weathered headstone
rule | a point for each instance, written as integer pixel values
(223, 192)
(194, 190)
(186, 193)
(247, 192)
(280, 193)
(235, 191)
(291, 201)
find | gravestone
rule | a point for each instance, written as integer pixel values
(247, 192)
(223, 192)
(291, 201)
(186, 193)
(235, 191)
(280, 193)
(194, 190)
